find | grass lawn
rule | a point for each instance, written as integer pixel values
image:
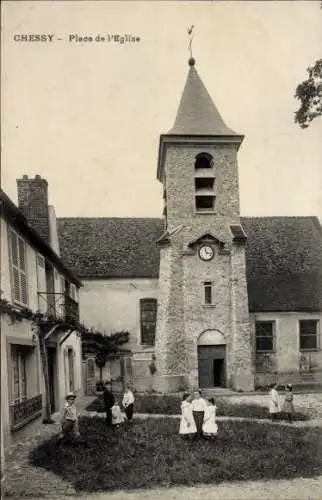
(170, 405)
(151, 453)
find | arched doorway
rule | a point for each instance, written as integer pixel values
(212, 359)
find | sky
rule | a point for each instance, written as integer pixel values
(87, 116)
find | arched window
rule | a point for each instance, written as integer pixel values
(148, 319)
(204, 160)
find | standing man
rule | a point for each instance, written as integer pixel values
(198, 411)
(108, 402)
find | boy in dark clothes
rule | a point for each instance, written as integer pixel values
(108, 402)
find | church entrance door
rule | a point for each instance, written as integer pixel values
(211, 364)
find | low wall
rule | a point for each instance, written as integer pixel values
(294, 378)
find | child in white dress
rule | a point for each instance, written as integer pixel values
(187, 422)
(274, 404)
(128, 403)
(117, 417)
(210, 427)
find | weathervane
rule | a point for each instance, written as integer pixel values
(190, 40)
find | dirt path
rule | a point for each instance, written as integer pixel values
(295, 489)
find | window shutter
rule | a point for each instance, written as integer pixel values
(22, 260)
(16, 284)
(19, 268)
(14, 248)
(23, 288)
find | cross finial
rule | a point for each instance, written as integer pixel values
(191, 60)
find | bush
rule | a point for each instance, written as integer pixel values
(171, 405)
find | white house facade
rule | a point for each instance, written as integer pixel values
(34, 278)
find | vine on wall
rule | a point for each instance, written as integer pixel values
(42, 323)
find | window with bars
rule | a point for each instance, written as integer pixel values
(309, 337)
(18, 268)
(18, 374)
(264, 331)
(208, 293)
(148, 319)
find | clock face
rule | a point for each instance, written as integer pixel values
(206, 252)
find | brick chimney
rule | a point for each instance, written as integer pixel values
(33, 203)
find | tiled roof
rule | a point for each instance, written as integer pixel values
(197, 113)
(111, 247)
(284, 263)
(283, 256)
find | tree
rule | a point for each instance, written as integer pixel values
(100, 361)
(309, 93)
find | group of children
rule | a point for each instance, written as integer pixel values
(114, 416)
(275, 407)
(198, 416)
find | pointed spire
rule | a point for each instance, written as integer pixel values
(197, 114)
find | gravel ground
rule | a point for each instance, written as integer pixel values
(306, 403)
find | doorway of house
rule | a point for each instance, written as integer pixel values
(71, 370)
(218, 372)
(51, 354)
(211, 365)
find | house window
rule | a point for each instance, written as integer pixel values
(19, 268)
(148, 319)
(18, 374)
(309, 335)
(208, 293)
(205, 203)
(204, 160)
(264, 331)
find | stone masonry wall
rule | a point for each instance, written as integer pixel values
(182, 273)
(180, 187)
(199, 317)
(170, 346)
(241, 340)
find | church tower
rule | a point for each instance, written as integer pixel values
(203, 333)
